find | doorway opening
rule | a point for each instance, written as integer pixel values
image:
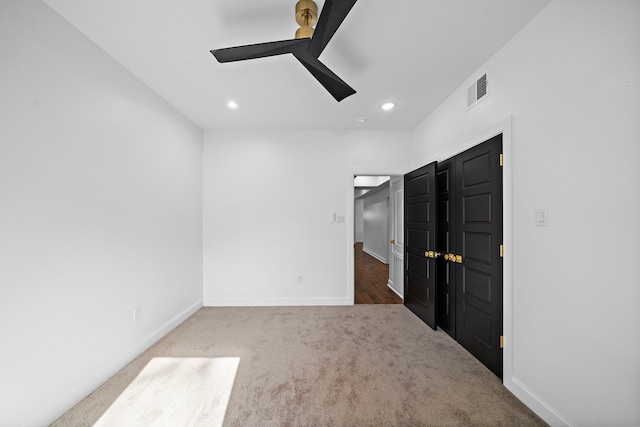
(503, 127)
(378, 232)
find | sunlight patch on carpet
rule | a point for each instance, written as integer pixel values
(176, 391)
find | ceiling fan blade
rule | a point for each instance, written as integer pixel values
(332, 14)
(334, 84)
(260, 50)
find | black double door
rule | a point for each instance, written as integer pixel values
(420, 228)
(454, 236)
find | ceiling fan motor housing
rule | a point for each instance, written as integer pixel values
(306, 17)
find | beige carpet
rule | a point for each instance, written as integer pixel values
(364, 365)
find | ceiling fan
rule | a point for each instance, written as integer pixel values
(307, 45)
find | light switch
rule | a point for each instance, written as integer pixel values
(542, 217)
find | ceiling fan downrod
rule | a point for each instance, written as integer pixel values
(306, 17)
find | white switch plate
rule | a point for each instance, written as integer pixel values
(542, 217)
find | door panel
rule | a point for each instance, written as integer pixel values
(478, 187)
(420, 182)
(418, 265)
(445, 244)
(477, 323)
(420, 229)
(476, 170)
(477, 209)
(477, 247)
(477, 284)
(418, 239)
(418, 212)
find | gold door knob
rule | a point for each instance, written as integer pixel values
(436, 254)
(459, 259)
(393, 242)
(446, 257)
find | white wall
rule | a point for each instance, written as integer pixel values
(359, 219)
(268, 199)
(100, 211)
(571, 81)
(376, 224)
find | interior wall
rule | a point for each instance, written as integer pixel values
(100, 211)
(359, 220)
(570, 80)
(376, 224)
(272, 221)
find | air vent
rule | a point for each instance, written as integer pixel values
(477, 91)
(481, 86)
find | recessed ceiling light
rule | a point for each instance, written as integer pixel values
(361, 120)
(233, 105)
(388, 106)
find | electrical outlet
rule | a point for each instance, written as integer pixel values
(137, 313)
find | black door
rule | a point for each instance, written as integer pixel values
(478, 239)
(445, 271)
(420, 242)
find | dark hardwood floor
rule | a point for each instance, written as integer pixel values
(371, 278)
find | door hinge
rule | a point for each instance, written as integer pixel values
(501, 159)
(501, 251)
(501, 341)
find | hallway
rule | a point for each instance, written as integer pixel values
(371, 278)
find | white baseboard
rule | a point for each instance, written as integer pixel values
(545, 411)
(68, 400)
(274, 302)
(394, 289)
(376, 256)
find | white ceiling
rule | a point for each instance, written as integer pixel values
(413, 52)
(369, 181)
